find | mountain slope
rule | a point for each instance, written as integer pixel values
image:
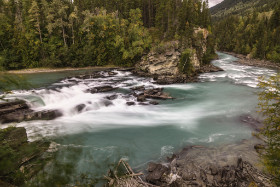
(241, 7)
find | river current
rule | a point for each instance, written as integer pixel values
(205, 113)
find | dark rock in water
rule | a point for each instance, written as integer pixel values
(17, 111)
(144, 104)
(20, 160)
(80, 107)
(141, 98)
(153, 102)
(110, 73)
(112, 97)
(138, 88)
(130, 103)
(209, 68)
(13, 106)
(157, 93)
(43, 115)
(107, 103)
(102, 89)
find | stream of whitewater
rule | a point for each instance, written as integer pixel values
(205, 113)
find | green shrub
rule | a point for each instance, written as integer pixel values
(185, 65)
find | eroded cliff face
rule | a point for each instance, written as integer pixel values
(163, 62)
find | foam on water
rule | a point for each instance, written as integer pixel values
(237, 73)
(203, 113)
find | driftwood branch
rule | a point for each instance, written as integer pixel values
(127, 180)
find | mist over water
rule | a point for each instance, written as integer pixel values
(205, 113)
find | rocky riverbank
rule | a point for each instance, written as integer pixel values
(246, 60)
(235, 165)
(20, 160)
(228, 165)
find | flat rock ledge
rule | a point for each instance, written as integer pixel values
(18, 111)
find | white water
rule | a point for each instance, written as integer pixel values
(104, 131)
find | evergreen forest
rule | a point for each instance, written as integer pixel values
(66, 33)
(256, 33)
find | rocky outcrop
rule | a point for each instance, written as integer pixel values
(242, 174)
(215, 167)
(18, 111)
(163, 62)
(20, 160)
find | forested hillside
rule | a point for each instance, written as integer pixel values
(241, 7)
(58, 33)
(256, 33)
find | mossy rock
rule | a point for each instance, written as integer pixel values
(19, 159)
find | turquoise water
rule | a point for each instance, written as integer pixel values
(205, 113)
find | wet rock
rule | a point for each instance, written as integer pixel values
(18, 111)
(43, 115)
(107, 103)
(143, 104)
(111, 73)
(102, 89)
(156, 93)
(9, 107)
(138, 88)
(141, 98)
(80, 107)
(209, 68)
(112, 97)
(130, 103)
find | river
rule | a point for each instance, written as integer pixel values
(205, 113)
